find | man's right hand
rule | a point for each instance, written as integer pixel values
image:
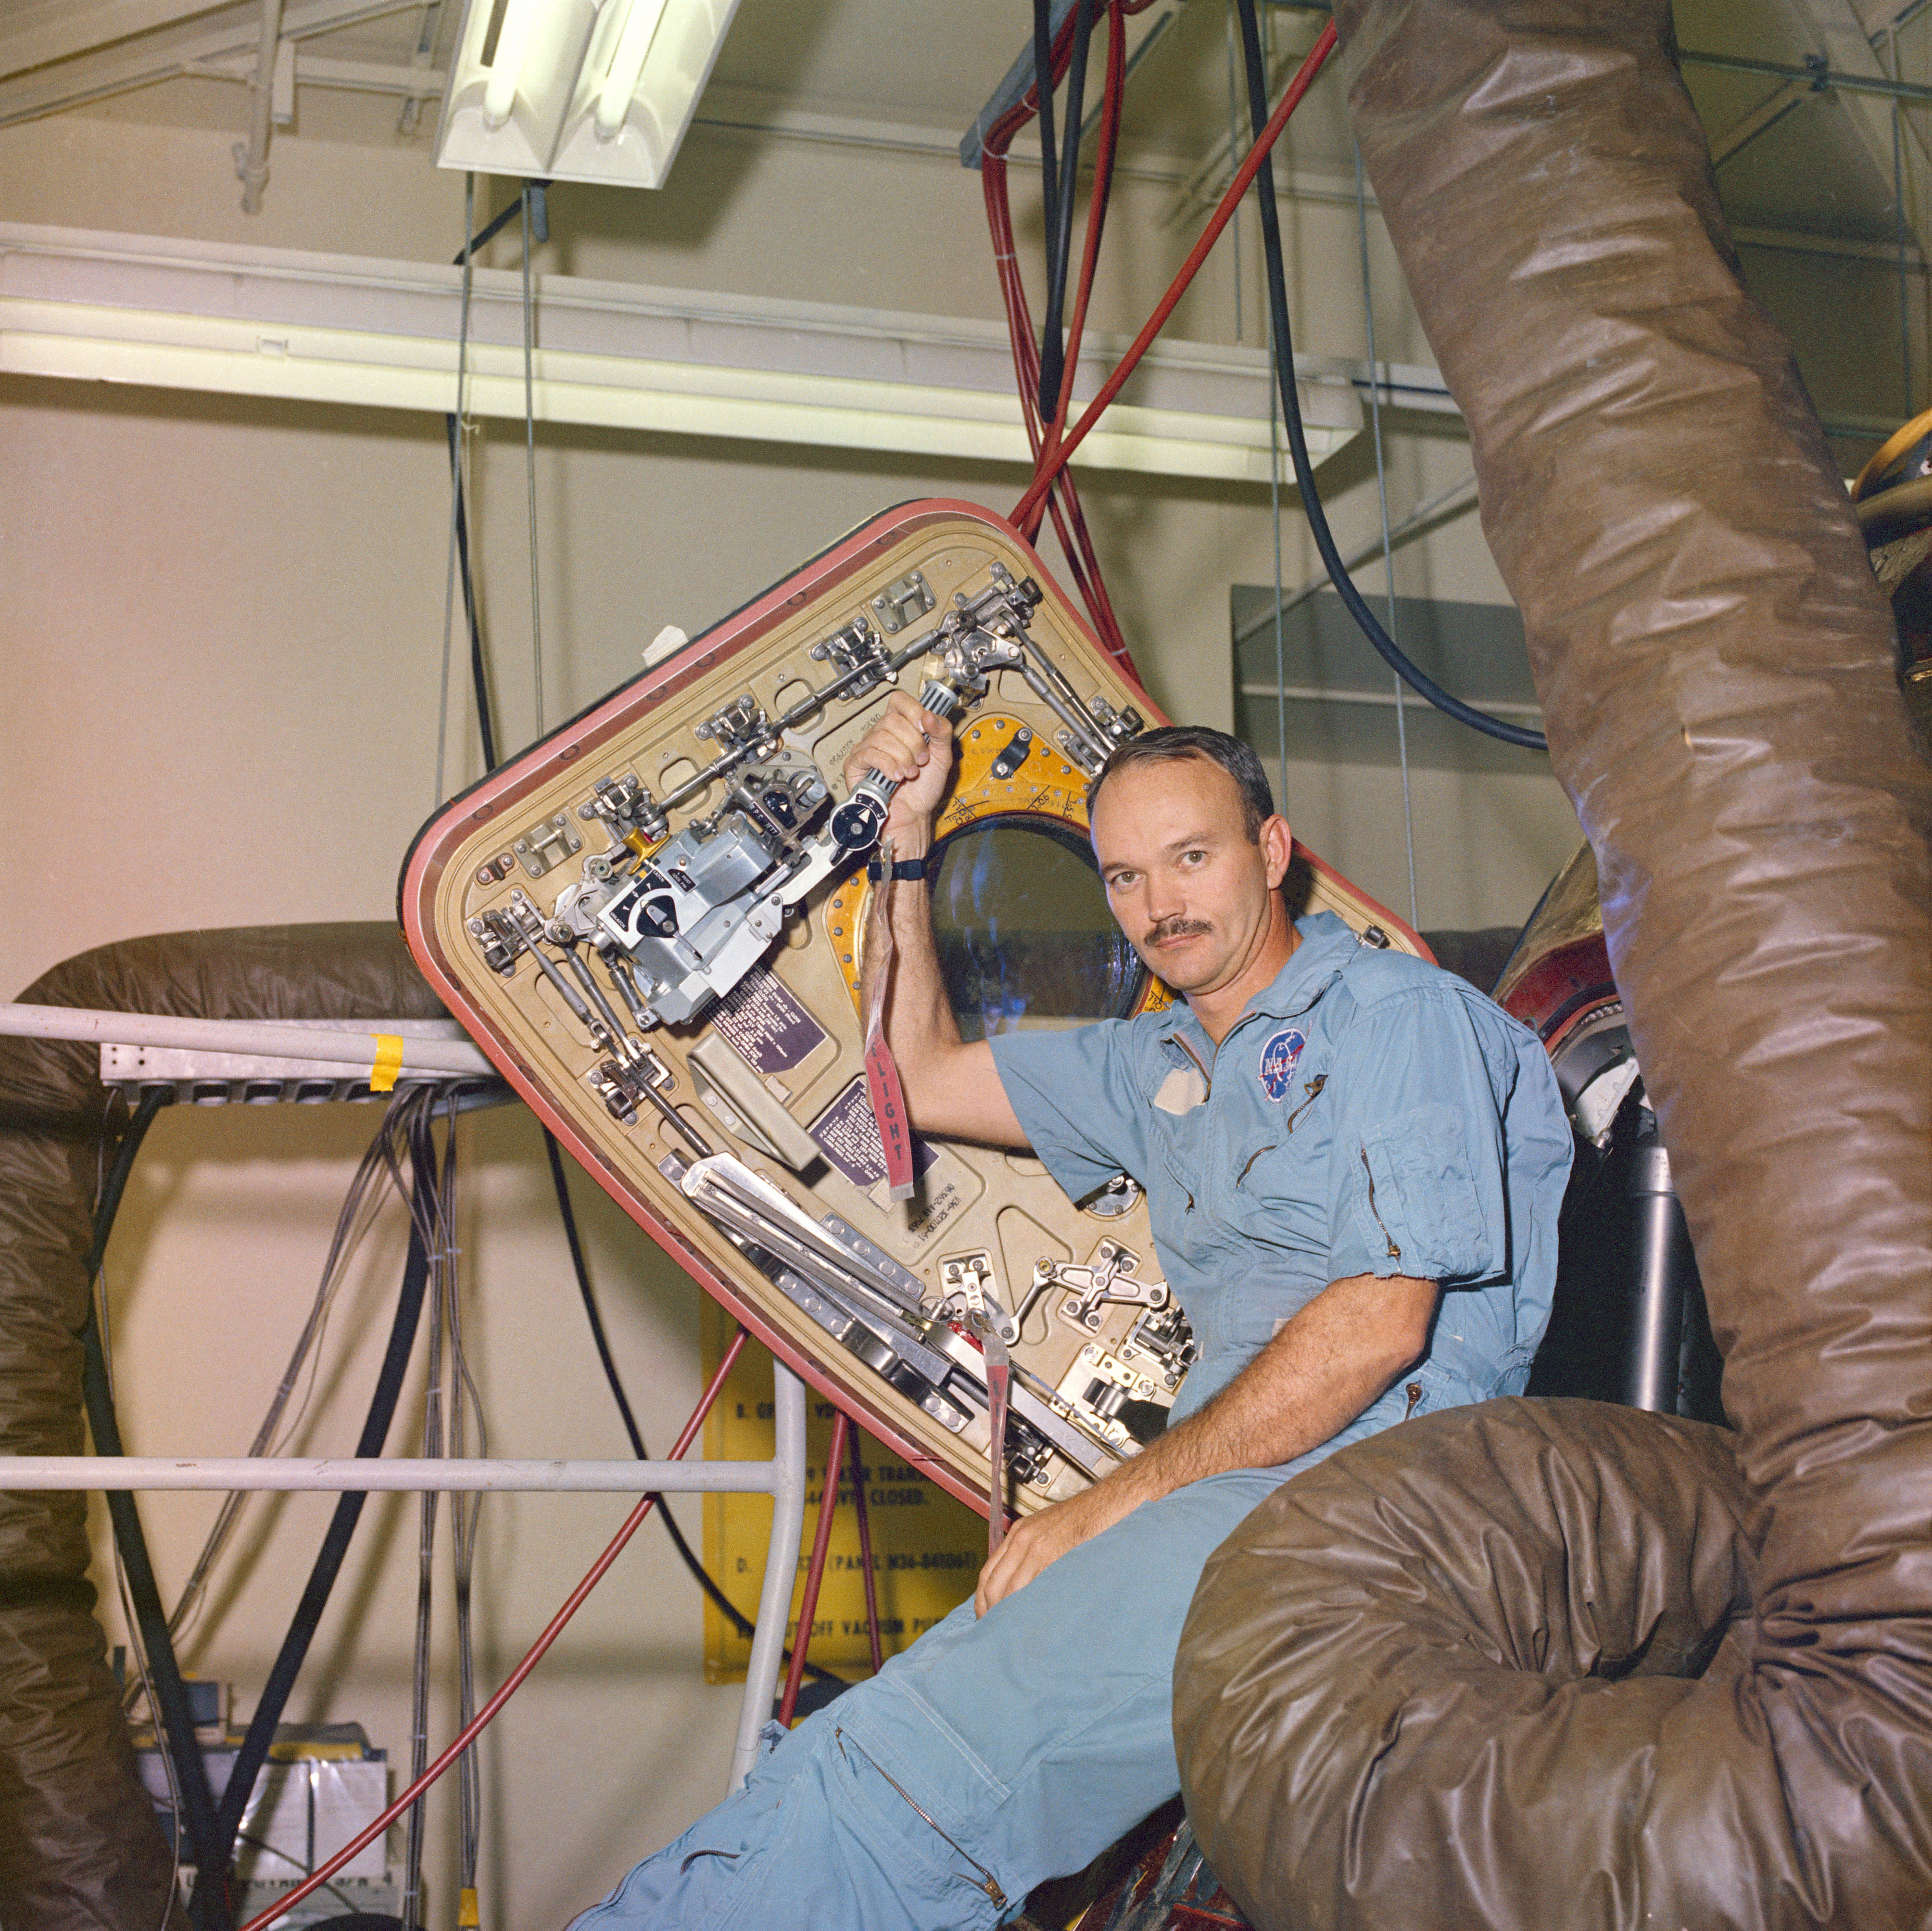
(914, 748)
(952, 1089)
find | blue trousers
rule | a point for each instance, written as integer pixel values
(995, 1753)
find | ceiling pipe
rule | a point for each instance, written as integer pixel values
(251, 164)
(1816, 73)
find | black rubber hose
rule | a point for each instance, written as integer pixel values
(477, 674)
(1386, 646)
(490, 229)
(173, 1717)
(1042, 88)
(273, 1699)
(540, 215)
(726, 1607)
(1059, 219)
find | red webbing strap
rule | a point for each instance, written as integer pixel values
(882, 1076)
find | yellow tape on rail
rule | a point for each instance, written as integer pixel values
(388, 1063)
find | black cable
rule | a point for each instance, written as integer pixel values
(540, 223)
(1042, 88)
(261, 1733)
(1059, 217)
(497, 223)
(173, 1718)
(739, 1621)
(478, 676)
(1386, 646)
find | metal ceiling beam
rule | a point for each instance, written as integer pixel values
(168, 52)
(1835, 30)
(1761, 118)
(351, 77)
(1817, 76)
(62, 28)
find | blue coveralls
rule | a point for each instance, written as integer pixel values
(1367, 1114)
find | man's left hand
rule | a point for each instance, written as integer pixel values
(1035, 1540)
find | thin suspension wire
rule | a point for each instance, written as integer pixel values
(530, 463)
(1234, 148)
(455, 491)
(1898, 205)
(1388, 544)
(433, 1449)
(465, 1513)
(1274, 454)
(1274, 520)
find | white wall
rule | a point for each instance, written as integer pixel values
(221, 630)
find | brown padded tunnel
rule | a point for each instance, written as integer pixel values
(80, 1849)
(1542, 1665)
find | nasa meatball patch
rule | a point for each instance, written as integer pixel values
(1278, 1059)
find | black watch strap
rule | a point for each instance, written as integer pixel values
(903, 871)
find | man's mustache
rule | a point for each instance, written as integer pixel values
(1174, 928)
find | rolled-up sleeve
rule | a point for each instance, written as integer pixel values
(1418, 1177)
(1078, 1103)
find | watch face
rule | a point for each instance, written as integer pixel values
(652, 921)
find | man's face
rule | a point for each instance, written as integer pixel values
(1194, 897)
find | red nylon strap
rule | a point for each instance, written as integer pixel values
(889, 1109)
(882, 1076)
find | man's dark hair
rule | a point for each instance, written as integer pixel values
(1173, 742)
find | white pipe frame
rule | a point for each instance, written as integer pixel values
(783, 1478)
(421, 1057)
(282, 1474)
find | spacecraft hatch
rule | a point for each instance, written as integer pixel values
(652, 920)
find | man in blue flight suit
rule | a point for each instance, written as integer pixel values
(1353, 1164)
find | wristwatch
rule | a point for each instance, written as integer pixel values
(904, 871)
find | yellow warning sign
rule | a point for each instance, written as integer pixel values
(927, 1546)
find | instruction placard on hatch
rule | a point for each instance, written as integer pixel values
(927, 1546)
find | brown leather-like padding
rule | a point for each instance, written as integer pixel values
(80, 1849)
(1389, 1706)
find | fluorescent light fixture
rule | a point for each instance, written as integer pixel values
(578, 90)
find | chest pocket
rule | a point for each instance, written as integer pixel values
(1276, 1189)
(1177, 1190)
